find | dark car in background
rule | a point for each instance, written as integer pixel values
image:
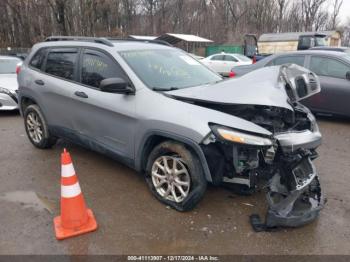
(333, 69)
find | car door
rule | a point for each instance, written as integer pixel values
(106, 119)
(54, 85)
(216, 63)
(230, 62)
(335, 88)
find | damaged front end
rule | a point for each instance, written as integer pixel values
(280, 163)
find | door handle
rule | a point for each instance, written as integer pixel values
(81, 94)
(39, 82)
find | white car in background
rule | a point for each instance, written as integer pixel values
(8, 82)
(223, 63)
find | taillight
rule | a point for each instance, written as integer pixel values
(18, 68)
(231, 74)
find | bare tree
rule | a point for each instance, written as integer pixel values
(282, 5)
(337, 4)
(321, 20)
(59, 11)
(25, 22)
(310, 10)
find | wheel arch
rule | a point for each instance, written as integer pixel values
(26, 101)
(153, 138)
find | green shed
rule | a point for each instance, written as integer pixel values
(214, 49)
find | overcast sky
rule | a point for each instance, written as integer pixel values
(345, 11)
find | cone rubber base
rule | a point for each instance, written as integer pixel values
(63, 233)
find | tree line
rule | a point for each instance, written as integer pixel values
(25, 22)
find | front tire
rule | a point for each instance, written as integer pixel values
(37, 129)
(175, 176)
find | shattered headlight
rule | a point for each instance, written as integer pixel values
(240, 137)
(5, 91)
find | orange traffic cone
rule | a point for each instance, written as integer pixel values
(75, 218)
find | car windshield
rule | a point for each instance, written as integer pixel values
(168, 69)
(320, 41)
(243, 58)
(8, 66)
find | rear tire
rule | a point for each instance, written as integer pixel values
(175, 176)
(37, 129)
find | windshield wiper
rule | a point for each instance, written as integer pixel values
(159, 89)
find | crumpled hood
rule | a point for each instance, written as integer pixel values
(9, 81)
(265, 86)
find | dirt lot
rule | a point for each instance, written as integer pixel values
(131, 221)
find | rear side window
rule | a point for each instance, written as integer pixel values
(62, 62)
(218, 58)
(298, 60)
(230, 58)
(328, 67)
(38, 59)
(96, 66)
(243, 58)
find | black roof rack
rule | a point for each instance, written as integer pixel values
(103, 40)
(155, 41)
(99, 40)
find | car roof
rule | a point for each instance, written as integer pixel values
(223, 53)
(312, 52)
(330, 48)
(119, 45)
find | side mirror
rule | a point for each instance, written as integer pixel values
(116, 85)
(347, 75)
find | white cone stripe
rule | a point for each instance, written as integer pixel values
(70, 191)
(68, 170)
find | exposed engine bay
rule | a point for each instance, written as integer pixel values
(288, 178)
(279, 164)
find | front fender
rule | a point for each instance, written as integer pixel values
(141, 157)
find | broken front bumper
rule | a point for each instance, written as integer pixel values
(294, 195)
(296, 208)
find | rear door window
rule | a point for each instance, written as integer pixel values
(38, 59)
(230, 58)
(326, 66)
(62, 62)
(298, 60)
(97, 66)
(218, 58)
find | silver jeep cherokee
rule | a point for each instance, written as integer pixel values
(163, 113)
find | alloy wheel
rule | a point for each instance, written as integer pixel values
(34, 127)
(171, 178)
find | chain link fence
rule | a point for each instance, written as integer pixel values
(19, 52)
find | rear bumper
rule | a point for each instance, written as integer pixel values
(8, 102)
